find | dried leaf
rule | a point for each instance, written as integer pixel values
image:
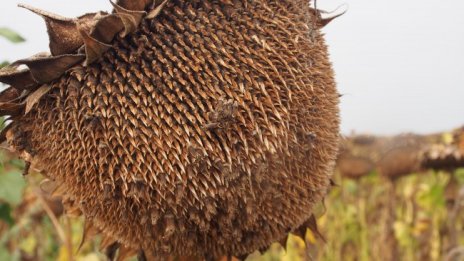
(107, 28)
(136, 5)
(90, 231)
(138, 15)
(131, 19)
(141, 256)
(71, 210)
(94, 49)
(20, 79)
(110, 252)
(310, 224)
(88, 22)
(4, 132)
(283, 242)
(155, 12)
(129, 22)
(48, 186)
(325, 21)
(322, 22)
(9, 95)
(125, 252)
(62, 32)
(32, 99)
(48, 68)
(10, 108)
(44, 13)
(106, 242)
(242, 257)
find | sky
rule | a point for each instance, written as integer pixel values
(399, 64)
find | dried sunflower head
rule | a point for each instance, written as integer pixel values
(195, 128)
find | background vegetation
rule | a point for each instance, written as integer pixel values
(416, 217)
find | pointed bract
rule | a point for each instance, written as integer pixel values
(130, 19)
(62, 32)
(94, 49)
(34, 97)
(125, 252)
(4, 132)
(9, 95)
(141, 256)
(137, 15)
(111, 251)
(107, 28)
(135, 5)
(19, 79)
(157, 10)
(129, 23)
(90, 231)
(48, 186)
(7, 108)
(106, 242)
(45, 69)
(325, 21)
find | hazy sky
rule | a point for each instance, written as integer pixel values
(400, 64)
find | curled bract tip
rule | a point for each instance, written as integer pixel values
(73, 41)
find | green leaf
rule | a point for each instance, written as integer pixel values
(5, 214)
(459, 174)
(4, 255)
(11, 35)
(17, 163)
(11, 187)
(3, 64)
(432, 198)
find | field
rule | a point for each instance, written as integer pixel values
(372, 218)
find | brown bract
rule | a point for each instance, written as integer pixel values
(181, 128)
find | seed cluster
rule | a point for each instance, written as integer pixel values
(209, 130)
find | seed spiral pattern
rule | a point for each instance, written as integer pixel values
(209, 130)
